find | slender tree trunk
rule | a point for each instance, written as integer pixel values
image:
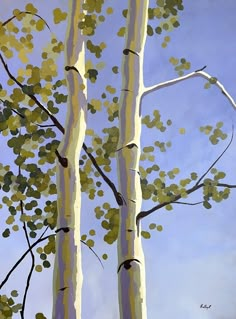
(67, 268)
(131, 267)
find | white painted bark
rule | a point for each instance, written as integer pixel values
(67, 269)
(199, 73)
(131, 266)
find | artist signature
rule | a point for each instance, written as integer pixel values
(205, 306)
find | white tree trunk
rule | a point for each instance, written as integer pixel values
(67, 269)
(131, 267)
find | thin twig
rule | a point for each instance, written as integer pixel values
(218, 158)
(186, 203)
(31, 268)
(22, 311)
(22, 258)
(83, 242)
(26, 12)
(38, 241)
(49, 125)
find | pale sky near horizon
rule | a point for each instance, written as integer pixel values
(192, 261)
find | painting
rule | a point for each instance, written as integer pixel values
(118, 162)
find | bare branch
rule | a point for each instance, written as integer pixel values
(197, 73)
(38, 241)
(22, 258)
(83, 242)
(25, 12)
(49, 125)
(32, 264)
(218, 158)
(186, 203)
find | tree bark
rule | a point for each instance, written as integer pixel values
(67, 269)
(131, 264)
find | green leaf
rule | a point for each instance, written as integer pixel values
(152, 226)
(58, 15)
(207, 205)
(145, 234)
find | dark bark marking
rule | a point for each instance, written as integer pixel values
(68, 68)
(62, 160)
(200, 69)
(131, 145)
(64, 229)
(120, 199)
(127, 264)
(127, 51)
(63, 288)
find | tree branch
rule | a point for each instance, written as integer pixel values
(62, 130)
(175, 198)
(83, 242)
(186, 203)
(51, 116)
(26, 12)
(105, 178)
(197, 73)
(38, 241)
(218, 158)
(32, 264)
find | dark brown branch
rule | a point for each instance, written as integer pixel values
(22, 258)
(13, 110)
(41, 125)
(51, 116)
(62, 130)
(62, 160)
(218, 158)
(26, 12)
(83, 242)
(201, 69)
(32, 265)
(38, 241)
(105, 178)
(175, 198)
(186, 203)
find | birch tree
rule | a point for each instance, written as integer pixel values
(61, 160)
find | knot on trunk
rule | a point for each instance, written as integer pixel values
(127, 264)
(127, 51)
(62, 160)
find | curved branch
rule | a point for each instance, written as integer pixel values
(51, 116)
(83, 242)
(38, 241)
(26, 12)
(197, 73)
(218, 158)
(22, 258)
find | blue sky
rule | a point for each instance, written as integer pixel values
(192, 261)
